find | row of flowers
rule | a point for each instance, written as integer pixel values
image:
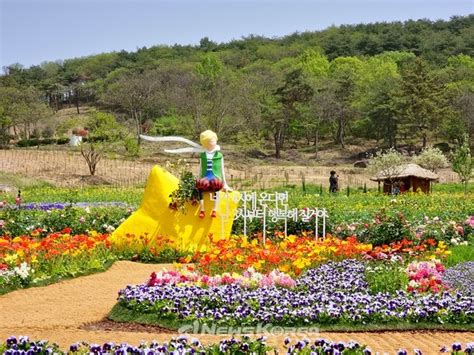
(294, 254)
(385, 228)
(35, 257)
(249, 278)
(335, 292)
(423, 276)
(291, 254)
(381, 227)
(182, 345)
(32, 259)
(53, 217)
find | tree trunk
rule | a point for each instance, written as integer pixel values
(316, 143)
(92, 158)
(340, 132)
(77, 101)
(278, 144)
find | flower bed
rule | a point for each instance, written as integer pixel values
(333, 293)
(292, 254)
(461, 277)
(54, 217)
(27, 260)
(250, 279)
(34, 260)
(426, 276)
(183, 345)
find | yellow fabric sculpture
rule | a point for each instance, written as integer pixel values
(155, 220)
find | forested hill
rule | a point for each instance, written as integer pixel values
(434, 40)
(399, 82)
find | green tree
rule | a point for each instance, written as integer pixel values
(422, 103)
(105, 135)
(462, 162)
(388, 164)
(135, 95)
(293, 92)
(377, 83)
(336, 95)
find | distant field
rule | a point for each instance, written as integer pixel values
(69, 169)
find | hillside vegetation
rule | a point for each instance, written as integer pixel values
(394, 84)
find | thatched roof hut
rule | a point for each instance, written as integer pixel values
(404, 178)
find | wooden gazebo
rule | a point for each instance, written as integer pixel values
(408, 177)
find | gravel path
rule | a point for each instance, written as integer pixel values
(58, 313)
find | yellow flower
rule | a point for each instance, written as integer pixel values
(258, 265)
(284, 268)
(301, 263)
(244, 243)
(291, 238)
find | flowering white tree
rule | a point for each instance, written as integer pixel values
(431, 159)
(388, 164)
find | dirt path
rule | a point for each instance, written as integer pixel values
(56, 313)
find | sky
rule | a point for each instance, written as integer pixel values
(34, 31)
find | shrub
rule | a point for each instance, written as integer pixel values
(386, 229)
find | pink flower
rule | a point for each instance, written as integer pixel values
(470, 221)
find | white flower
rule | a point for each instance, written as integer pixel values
(23, 270)
(110, 229)
(454, 241)
(87, 209)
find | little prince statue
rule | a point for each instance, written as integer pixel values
(212, 177)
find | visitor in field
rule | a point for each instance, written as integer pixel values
(333, 182)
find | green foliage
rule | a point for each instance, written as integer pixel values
(172, 125)
(104, 134)
(386, 277)
(462, 162)
(421, 102)
(397, 83)
(102, 219)
(210, 68)
(131, 147)
(186, 192)
(386, 229)
(459, 254)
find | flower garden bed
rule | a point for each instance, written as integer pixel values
(334, 294)
(184, 345)
(376, 271)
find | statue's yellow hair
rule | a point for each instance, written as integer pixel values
(206, 136)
